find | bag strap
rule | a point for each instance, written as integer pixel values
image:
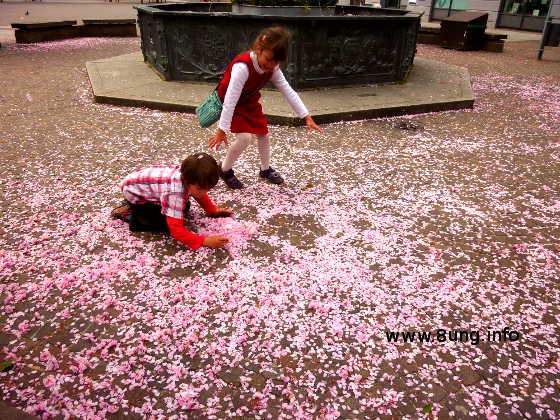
(243, 95)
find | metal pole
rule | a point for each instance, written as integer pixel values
(545, 30)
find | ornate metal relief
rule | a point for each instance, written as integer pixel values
(409, 51)
(345, 54)
(202, 52)
(154, 43)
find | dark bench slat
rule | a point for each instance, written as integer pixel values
(39, 25)
(109, 21)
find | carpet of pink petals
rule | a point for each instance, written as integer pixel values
(376, 229)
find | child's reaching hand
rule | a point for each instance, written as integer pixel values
(218, 138)
(311, 125)
(216, 241)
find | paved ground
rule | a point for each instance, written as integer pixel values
(453, 226)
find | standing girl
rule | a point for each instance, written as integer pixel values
(239, 91)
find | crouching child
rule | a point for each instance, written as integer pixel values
(157, 199)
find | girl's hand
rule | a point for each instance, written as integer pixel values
(222, 212)
(311, 124)
(219, 138)
(216, 241)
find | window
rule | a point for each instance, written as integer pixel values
(444, 8)
(523, 14)
(526, 7)
(459, 4)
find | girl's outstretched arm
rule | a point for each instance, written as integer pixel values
(180, 233)
(192, 240)
(279, 80)
(211, 209)
(239, 76)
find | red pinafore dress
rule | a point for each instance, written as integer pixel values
(248, 115)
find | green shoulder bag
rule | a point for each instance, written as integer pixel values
(210, 110)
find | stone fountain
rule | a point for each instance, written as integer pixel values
(347, 45)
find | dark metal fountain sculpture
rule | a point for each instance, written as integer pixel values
(356, 45)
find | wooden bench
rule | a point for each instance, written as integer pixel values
(30, 32)
(431, 35)
(109, 27)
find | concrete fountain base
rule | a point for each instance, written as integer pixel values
(431, 86)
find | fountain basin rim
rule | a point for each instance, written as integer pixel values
(156, 11)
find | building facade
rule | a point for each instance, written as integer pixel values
(527, 15)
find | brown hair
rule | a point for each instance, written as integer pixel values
(200, 169)
(275, 39)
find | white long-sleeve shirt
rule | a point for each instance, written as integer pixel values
(239, 75)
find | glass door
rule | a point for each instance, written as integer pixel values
(523, 14)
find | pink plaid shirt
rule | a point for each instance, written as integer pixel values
(159, 185)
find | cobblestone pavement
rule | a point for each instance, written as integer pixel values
(451, 226)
